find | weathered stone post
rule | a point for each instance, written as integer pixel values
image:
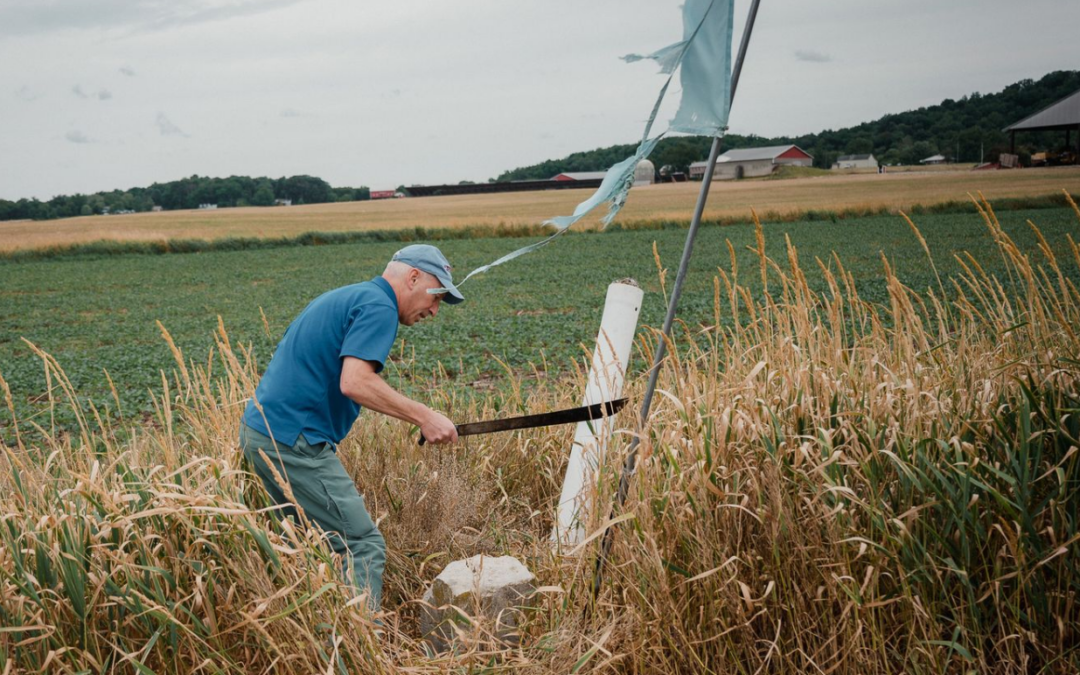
(494, 590)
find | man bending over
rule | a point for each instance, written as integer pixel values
(325, 369)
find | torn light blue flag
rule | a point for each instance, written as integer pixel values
(704, 55)
(704, 50)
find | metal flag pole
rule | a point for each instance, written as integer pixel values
(676, 291)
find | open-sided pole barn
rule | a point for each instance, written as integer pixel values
(1061, 116)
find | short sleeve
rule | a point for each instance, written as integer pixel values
(371, 334)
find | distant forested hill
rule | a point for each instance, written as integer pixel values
(186, 193)
(971, 124)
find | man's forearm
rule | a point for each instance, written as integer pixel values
(372, 392)
(362, 384)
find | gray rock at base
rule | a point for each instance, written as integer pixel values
(494, 590)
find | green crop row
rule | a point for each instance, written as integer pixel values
(540, 312)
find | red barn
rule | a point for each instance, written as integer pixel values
(750, 162)
(580, 175)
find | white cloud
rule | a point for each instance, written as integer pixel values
(127, 70)
(33, 17)
(812, 56)
(76, 136)
(27, 94)
(167, 128)
(100, 94)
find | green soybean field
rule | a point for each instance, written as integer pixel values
(538, 315)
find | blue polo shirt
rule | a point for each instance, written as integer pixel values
(301, 390)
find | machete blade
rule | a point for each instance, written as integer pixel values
(569, 416)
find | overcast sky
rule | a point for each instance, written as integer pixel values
(121, 93)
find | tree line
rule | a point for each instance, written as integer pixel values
(186, 193)
(964, 130)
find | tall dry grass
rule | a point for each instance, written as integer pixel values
(826, 485)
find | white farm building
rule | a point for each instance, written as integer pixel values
(752, 162)
(855, 162)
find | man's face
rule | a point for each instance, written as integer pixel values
(419, 304)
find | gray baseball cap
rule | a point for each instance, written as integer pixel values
(427, 258)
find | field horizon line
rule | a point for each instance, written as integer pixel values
(108, 247)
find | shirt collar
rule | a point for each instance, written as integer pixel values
(387, 288)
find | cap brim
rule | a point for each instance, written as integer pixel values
(453, 295)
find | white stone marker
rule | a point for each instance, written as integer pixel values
(610, 360)
(496, 588)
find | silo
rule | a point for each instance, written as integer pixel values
(645, 173)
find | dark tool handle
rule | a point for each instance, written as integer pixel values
(422, 439)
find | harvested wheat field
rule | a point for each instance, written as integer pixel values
(675, 201)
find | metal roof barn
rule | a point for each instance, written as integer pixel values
(502, 186)
(753, 162)
(580, 175)
(1061, 116)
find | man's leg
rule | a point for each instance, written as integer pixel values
(328, 498)
(251, 442)
(353, 533)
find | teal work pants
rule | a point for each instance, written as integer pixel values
(328, 497)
